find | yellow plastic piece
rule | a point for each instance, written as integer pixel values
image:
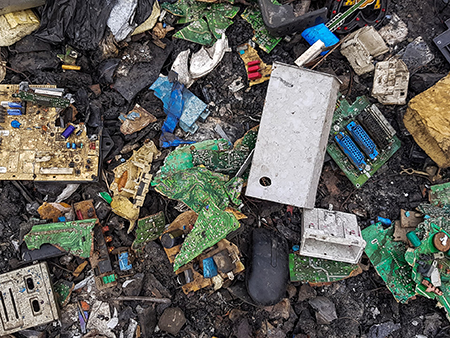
(15, 26)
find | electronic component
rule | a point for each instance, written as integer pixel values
(351, 150)
(27, 299)
(148, 229)
(74, 237)
(104, 275)
(362, 139)
(33, 147)
(379, 134)
(27, 93)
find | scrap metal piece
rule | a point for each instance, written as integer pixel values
(390, 82)
(442, 41)
(291, 142)
(395, 31)
(136, 119)
(193, 109)
(331, 235)
(318, 272)
(148, 229)
(74, 237)
(361, 47)
(120, 18)
(37, 150)
(27, 298)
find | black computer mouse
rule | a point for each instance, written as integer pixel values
(268, 273)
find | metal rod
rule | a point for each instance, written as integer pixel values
(145, 299)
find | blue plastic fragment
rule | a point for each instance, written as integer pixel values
(61, 219)
(295, 248)
(407, 213)
(384, 221)
(123, 262)
(193, 107)
(15, 124)
(170, 140)
(426, 216)
(320, 32)
(209, 268)
(174, 109)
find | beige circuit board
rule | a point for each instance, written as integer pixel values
(37, 150)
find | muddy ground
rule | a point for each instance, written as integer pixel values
(361, 302)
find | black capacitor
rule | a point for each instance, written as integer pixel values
(173, 238)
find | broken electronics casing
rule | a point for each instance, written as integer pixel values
(37, 150)
(331, 235)
(390, 82)
(27, 299)
(292, 137)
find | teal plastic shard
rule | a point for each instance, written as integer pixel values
(388, 258)
(212, 225)
(181, 158)
(218, 18)
(262, 37)
(225, 161)
(75, 237)
(197, 188)
(316, 270)
(425, 254)
(193, 108)
(148, 229)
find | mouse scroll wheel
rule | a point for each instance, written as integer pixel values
(274, 252)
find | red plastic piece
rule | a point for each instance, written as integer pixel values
(105, 229)
(253, 69)
(254, 76)
(253, 63)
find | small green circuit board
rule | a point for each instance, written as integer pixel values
(148, 229)
(44, 100)
(424, 253)
(262, 37)
(63, 290)
(343, 115)
(75, 237)
(226, 161)
(207, 21)
(440, 194)
(212, 225)
(388, 258)
(316, 270)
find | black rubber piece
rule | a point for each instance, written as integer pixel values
(268, 274)
(280, 20)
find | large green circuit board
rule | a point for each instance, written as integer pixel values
(262, 37)
(75, 237)
(343, 115)
(316, 270)
(388, 258)
(426, 231)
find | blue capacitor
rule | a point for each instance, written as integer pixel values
(209, 268)
(14, 111)
(74, 146)
(68, 145)
(15, 104)
(68, 131)
(15, 124)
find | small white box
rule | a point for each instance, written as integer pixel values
(331, 235)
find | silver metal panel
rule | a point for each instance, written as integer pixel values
(292, 136)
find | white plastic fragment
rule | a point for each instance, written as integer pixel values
(331, 235)
(67, 192)
(310, 54)
(206, 59)
(114, 320)
(395, 31)
(181, 67)
(390, 82)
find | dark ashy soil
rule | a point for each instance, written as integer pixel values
(361, 302)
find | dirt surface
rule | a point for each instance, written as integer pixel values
(361, 302)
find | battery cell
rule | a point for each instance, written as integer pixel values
(26, 299)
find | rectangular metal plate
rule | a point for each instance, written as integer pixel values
(26, 299)
(292, 136)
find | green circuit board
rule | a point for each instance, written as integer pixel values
(63, 290)
(75, 237)
(346, 113)
(426, 231)
(212, 225)
(148, 229)
(316, 270)
(44, 100)
(440, 194)
(262, 37)
(388, 258)
(226, 161)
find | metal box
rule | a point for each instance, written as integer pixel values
(293, 136)
(26, 299)
(331, 235)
